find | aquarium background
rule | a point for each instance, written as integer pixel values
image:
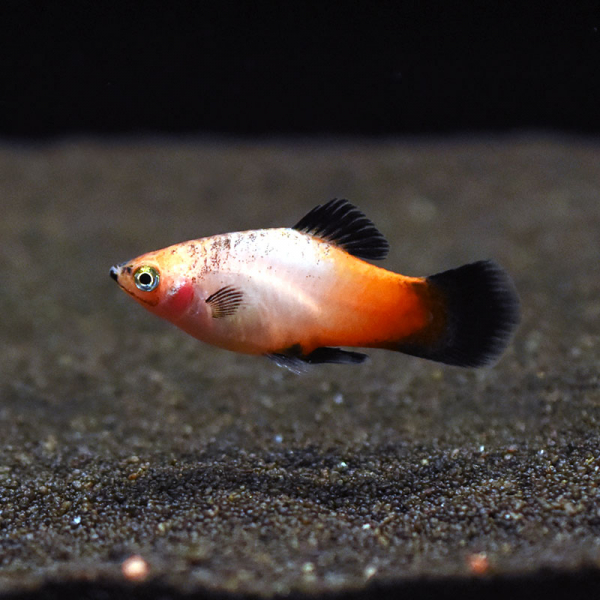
(368, 68)
(465, 131)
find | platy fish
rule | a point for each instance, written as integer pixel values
(295, 295)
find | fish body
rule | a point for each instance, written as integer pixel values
(297, 294)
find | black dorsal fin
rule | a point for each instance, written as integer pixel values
(342, 224)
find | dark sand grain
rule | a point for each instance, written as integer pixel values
(121, 435)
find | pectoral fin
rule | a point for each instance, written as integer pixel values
(225, 302)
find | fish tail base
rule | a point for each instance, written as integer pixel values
(476, 310)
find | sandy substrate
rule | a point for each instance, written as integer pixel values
(120, 435)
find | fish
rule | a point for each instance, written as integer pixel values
(302, 295)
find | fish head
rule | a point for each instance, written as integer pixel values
(157, 283)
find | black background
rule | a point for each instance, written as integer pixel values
(372, 68)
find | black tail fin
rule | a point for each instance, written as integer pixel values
(481, 309)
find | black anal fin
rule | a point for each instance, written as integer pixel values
(342, 224)
(293, 359)
(225, 302)
(334, 355)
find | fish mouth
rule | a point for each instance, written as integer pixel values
(118, 270)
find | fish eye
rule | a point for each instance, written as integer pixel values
(146, 278)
